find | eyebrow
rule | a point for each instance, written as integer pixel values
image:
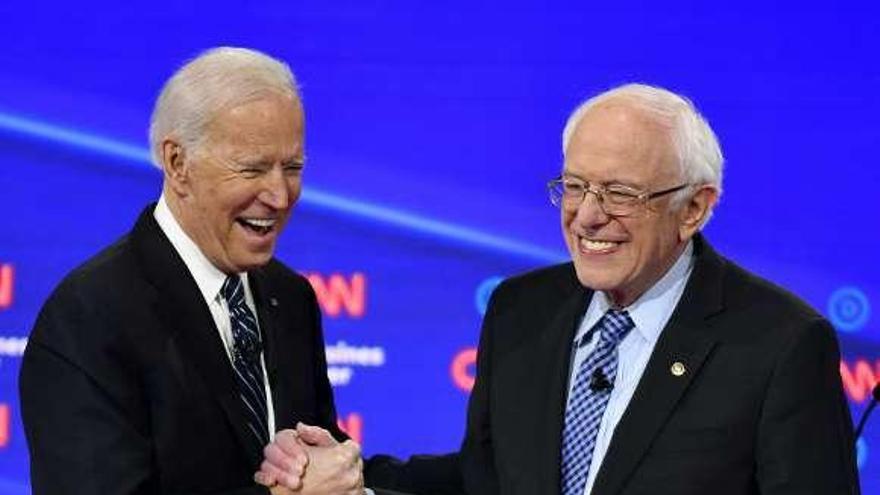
(629, 184)
(252, 163)
(261, 162)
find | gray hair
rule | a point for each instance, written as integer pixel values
(697, 148)
(217, 79)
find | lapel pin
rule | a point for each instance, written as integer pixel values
(678, 369)
(273, 302)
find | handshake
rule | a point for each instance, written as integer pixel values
(309, 461)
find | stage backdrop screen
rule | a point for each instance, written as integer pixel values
(432, 129)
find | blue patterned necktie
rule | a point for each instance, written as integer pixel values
(246, 351)
(586, 406)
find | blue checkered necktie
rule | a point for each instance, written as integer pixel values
(586, 406)
(246, 351)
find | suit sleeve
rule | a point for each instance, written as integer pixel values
(477, 455)
(805, 440)
(472, 469)
(85, 417)
(77, 405)
(419, 475)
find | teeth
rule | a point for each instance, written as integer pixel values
(596, 245)
(259, 222)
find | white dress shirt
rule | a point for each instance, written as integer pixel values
(210, 280)
(650, 313)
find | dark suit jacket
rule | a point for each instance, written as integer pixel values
(760, 409)
(126, 387)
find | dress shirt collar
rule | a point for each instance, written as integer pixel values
(645, 310)
(207, 276)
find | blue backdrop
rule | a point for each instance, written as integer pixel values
(431, 130)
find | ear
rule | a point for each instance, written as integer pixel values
(175, 166)
(695, 211)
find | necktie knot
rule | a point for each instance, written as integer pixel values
(244, 329)
(232, 291)
(615, 326)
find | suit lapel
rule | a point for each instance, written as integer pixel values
(685, 340)
(530, 382)
(555, 347)
(268, 315)
(182, 309)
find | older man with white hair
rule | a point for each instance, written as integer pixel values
(166, 363)
(649, 364)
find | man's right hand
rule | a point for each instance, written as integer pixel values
(284, 461)
(310, 461)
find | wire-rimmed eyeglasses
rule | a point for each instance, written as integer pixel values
(614, 199)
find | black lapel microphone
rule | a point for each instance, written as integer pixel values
(599, 382)
(874, 399)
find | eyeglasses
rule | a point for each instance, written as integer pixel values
(614, 199)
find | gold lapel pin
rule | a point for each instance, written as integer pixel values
(678, 368)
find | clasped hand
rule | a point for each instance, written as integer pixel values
(309, 461)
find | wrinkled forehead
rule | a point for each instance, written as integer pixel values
(265, 116)
(624, 123)
(618, 136)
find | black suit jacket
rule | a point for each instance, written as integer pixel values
(126, 387)
(760, 409)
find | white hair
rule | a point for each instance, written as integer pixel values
(216, 80)
(699, 154)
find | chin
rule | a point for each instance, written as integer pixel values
(253, 262)
(598, 279)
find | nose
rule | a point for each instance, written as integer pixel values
(589, 212)
(278, 190)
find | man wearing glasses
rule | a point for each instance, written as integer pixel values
(650, 364)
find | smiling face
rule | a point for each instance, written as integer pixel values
(234, 192)
(615, 143)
